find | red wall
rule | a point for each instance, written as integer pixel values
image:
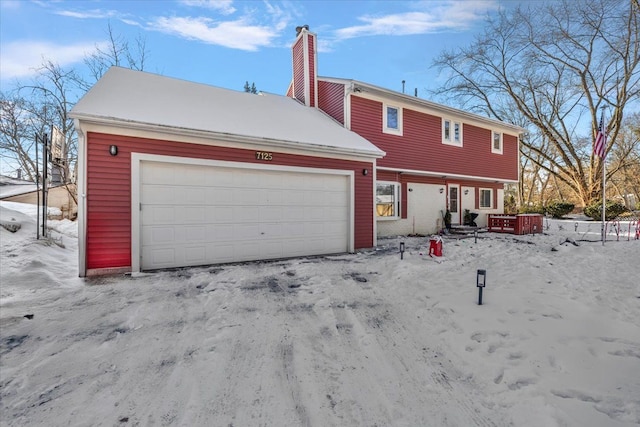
(331, 99)
(109, 190)
(421, 147)
(298, 70)
(312, 69)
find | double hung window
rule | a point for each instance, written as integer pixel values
(451, 132)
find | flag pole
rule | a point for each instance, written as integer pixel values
(604, 175)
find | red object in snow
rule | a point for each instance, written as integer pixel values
(435, 247)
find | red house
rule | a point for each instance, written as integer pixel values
(437, 157)
(173, 173)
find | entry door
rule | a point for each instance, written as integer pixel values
(454, 203)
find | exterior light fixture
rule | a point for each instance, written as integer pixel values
(475, 235)
(401, 250)
(113, 150)
(481, 281)
(365, 172)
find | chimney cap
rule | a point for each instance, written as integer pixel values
(300, 28)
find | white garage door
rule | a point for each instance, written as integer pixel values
(197, 215)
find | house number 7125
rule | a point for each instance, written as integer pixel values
(263, 155)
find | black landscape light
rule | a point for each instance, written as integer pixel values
(475, 235)
(481, 281)
(401, 250)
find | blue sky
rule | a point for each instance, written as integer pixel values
(225, 43)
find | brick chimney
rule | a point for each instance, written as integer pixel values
(304, 86)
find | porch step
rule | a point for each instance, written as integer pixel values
(465, 229)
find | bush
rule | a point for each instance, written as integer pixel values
(612, 210)
(531, 210)
(559, 209)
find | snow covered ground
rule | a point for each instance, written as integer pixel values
(353, 340)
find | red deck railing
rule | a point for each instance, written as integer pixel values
(515, 224)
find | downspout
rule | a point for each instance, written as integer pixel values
(82, 200)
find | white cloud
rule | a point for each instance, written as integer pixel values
(21, 58)
(238, 34)
(89, 14)
(431, 17)
(223, 6)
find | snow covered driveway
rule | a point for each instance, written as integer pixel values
(352, 340)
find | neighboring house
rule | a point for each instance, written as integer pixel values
(21, 191)
(173, 173)
(437, 157)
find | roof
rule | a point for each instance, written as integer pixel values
(14, 186)
(358, 86)
(127, 97)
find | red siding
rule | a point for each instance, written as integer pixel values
(310, 39)
(421, 148)
(109, 190)
(298, 70)
(331, 99)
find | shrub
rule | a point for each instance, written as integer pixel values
(612, 210)
(531, 209)
(559, 209)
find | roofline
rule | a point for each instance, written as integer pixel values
(353, 85)
(226, 137)
(445, 175)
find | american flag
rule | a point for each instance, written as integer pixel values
(601, 139)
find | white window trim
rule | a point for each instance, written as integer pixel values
(451, 140)
(493, 149)
(480, 190)
(385, 128)
(397, 201)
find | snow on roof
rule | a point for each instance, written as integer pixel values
(14, 186)
(124, 95)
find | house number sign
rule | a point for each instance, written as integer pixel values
(263, 155)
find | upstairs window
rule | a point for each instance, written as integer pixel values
(486, 198)
(451, 132)
(387, 200)
(496, 143)
(391, 119)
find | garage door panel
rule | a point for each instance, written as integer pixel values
(220, 214)
(194, 215)
(193, 195)
(161, 257)
(195, 234)
(159, 215)
(157, 194)
(271, 213)
(195, 255)
(246, 214)
(270, 197)
(161, 173)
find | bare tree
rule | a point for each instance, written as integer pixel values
(32, 108)
(17, 132)
(554, 66)
(117, 51)
(624, 158)
(52, 95)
